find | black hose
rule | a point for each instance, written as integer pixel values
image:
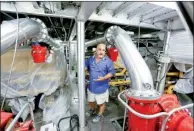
(70, 122)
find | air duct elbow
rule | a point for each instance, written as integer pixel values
(140, 75)
(28, 29)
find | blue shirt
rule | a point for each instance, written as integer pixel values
(96, 69)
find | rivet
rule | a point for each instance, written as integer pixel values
(133, 102)
(141, 104)
(169, 119)
(166, 127)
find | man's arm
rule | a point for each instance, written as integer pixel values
(109, 75)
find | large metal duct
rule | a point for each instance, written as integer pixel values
(28, 29)
(140, 75)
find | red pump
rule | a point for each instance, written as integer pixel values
(179, 121)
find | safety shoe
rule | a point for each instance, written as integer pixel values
(97, 118)
(90, 112)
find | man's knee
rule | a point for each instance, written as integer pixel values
(103, 104)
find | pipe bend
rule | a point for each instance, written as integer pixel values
(140, 75)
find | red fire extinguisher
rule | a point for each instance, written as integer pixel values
(38, 53)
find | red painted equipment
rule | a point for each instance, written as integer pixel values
(39, 53)
(179, 121)
(5, 117)
(113, 53)
(25, 126)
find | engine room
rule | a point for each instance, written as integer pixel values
(96, 66)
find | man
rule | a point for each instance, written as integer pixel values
(101, 69)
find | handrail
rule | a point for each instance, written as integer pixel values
(19, 114)
(139, 114)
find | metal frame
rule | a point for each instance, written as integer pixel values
(164, 66)
(73, 33)
(85, 11)
(81, 72)
(108, 12)
(123, 7)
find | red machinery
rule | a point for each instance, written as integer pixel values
(7, 117)
(178, 121)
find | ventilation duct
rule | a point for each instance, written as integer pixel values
(140, 75)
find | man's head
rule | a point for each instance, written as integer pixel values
(100, 50)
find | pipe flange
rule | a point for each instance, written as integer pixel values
(44, 31)
(143, 95)
(108, 35)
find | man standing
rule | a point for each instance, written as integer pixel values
(101, 69)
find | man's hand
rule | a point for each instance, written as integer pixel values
(99, 79)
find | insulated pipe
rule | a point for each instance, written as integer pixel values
(81, 72)
(28, 29)
(140, 75)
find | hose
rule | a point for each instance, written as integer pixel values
(70, 122)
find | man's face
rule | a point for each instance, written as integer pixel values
(100, 51)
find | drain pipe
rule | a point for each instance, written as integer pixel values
(28, 29)
(140, 75)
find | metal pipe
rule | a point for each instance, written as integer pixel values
(28, 29)
(172, 111)
(164, 66)
(18, 115)
(125, 114)
(95, 42)
(137, 113)
(140, 74)
(81, 72)
(173, 74)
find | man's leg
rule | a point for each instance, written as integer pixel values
(102, 109)
(101, 99)
(92, 105)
